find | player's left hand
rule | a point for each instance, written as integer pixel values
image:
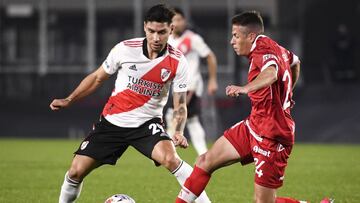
(57, 104)
(235, 91)
(180, 140)
(212, 87)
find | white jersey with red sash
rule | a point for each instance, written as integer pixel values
(142, 85)
(193, 47)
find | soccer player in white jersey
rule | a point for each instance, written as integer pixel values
(132, 116)
(193, 47)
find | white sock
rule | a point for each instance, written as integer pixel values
(182, 172)
(70, 190)
(186, 195)
(197, 134)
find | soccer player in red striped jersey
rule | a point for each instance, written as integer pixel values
(132, 116)
(266, 136)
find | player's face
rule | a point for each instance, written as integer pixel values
(179, 23)
(241, 41)
(157, 34)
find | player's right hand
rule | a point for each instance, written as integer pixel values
(235, 91)
(57, 104)
(180, 140)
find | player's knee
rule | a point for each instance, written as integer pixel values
(170, 162)
(263, 198)
(204, 162)
(75, 173)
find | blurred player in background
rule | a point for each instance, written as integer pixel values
(145, 68)
(265, 137)
(193, 47)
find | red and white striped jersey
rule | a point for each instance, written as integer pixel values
(142, 85)
(193, 47)
(270, 106)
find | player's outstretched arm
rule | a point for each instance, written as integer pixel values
(295, 73)
(212, 67)
(264, 79)
(179, 119)
(87, 86)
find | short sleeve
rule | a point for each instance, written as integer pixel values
(113, 60)
(200, 46)
(180, 81)
(268, 60)
(294, 59)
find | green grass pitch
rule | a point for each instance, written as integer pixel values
(33, 170)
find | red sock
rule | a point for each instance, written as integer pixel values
(286, 200)
(178, 200)
(196, 182)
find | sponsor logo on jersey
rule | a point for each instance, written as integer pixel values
(144, 87)
(107, 64)
(165, 74)
(267, 57)
(84, 145)
(258, 150)
(182, 85)
(280, 148)
(133, 67)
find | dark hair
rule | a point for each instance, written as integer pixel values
(179, 11)
(159, 13)
(250, 19)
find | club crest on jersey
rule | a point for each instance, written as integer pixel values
(165, 74)
(84, 145)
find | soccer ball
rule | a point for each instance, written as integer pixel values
(120, 198)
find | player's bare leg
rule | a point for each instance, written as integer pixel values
(80, 167)
(164, 153)
(221, 154)
(268, 195)
(264, 195)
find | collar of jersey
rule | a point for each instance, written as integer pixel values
(254, 43)
(146, 53)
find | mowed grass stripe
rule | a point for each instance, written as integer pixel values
(32, 170)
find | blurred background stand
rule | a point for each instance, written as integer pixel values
(48, 46)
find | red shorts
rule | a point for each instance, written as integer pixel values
(270, 156)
